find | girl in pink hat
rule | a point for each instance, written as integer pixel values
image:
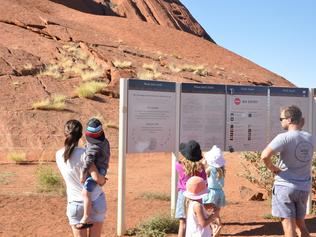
(188, 165)
(215, 199)
(198, 221)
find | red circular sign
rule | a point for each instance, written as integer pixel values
(237, 101)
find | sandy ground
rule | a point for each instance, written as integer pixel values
(25, 212)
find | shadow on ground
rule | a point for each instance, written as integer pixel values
(267, 228)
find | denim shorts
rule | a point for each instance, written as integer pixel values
(180, 207)
(288, 202)
(75, 210)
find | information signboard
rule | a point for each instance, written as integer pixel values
(284, 96)
(151, 116)
(246, 119)
(202, 114)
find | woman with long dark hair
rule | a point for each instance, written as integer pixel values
(69, 162)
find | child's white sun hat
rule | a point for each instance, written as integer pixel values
(196, 188)
(215, 157)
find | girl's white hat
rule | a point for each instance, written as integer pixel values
(215, 157)
(196, 188)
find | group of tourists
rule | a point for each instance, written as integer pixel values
(200, 179)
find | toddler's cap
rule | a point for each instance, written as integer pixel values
(94, 132)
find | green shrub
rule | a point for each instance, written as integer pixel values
(155, 196)
(257, 172)
(260, 175)
(48, 180)
(158, 226)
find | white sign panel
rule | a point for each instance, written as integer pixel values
(203, 114)
(247, 115)
(284, 96)
(151, 120)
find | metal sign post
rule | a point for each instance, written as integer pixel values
(121, 157)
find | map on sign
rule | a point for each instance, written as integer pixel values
(203, 114)
(284, 96)
(151, 118)
(246, 119)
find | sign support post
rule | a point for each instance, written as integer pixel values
(175, 155)
(310, 130)
(121, 159)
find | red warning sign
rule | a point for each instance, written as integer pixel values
(237, 101)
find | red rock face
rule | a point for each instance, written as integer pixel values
(171, 13)
(72, 40)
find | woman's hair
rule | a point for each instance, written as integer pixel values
(191, 168)
(72, 132)
(220, 172)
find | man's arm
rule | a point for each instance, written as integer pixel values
(266, 156)
(99, 179)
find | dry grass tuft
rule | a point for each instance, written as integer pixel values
(148, 75)
(89, 89)
(73, 61)
(17, 157)
(121, 64)
(57, 102)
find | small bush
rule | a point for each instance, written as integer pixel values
(89, 89)
(121, 64)
(155, 196)
(260, 175)
(57, 102)
(257, 172)
(158, 226)
(48, 180)
(17, 157)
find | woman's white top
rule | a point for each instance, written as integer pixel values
(70, 171)
(193, 228)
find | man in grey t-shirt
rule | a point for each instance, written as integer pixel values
(292, 181)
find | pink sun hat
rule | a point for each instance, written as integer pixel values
(196, 188)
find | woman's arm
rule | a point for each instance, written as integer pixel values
(99, 179)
